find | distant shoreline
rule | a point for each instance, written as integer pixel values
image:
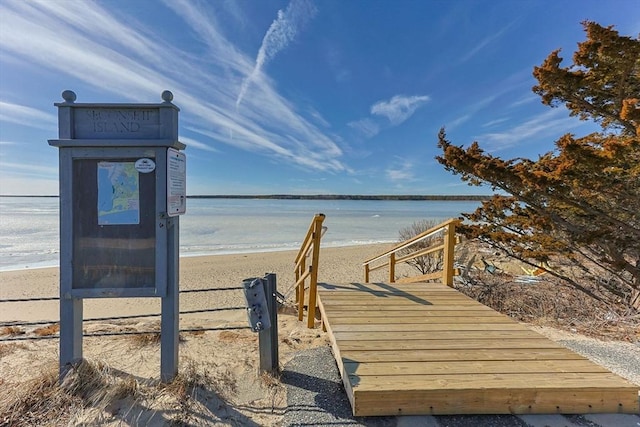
(451, 197)
(346, 197)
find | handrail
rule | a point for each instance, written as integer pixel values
(310, 245)
(448, 228)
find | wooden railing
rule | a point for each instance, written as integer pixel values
(310, 245)
(447, 246)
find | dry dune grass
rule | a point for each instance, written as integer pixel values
(8, 348)
(40, 400)
(12, 330)
(91, 393)
(47, 330)
(543, 300)
(117, 383)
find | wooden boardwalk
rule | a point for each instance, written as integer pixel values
(417, 349)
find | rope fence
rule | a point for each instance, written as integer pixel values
(126, 317)
(131, 316)
(109, 334)
(30, 299)
(186, 291)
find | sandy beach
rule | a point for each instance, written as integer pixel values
(223, 363)
(228, 357)
(341, 264)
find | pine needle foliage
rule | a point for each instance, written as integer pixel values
(581, 201)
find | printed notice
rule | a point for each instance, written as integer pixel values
(118, 193)
(176, 182)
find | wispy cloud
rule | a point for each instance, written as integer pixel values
(396, 110)
(401, 171)
(197, 144)
(552, 124)
(484, 43)
(524, 100)
(112, 54)
(317, 117)
(30, 169)
(399, 108)
(366, 127)
(335, 61)
(495, 122)
(27, 116)
(457, 122)
(279, 35)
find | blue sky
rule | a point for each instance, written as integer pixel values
(299, 97)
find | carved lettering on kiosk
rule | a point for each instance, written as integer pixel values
(119, 123)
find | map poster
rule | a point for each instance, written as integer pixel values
(118, 193)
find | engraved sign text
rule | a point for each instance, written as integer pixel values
(116, 123)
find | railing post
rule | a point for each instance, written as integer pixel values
(268, 338)
(299, 272)
(300, 292)
(392, 267)
(449, 248)
(366, 273)
(313, 285)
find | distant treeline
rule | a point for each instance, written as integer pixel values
(345, 197)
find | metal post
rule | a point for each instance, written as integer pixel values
(169, 323)
(268, 338)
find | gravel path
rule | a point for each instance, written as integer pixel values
(316, 397)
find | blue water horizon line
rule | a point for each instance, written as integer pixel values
(30, 226)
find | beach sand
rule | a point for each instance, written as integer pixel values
(229, 357)
(224, 362)
(342, 264)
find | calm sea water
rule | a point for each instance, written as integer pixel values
(29, 227)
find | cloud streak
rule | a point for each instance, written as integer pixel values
(279, 35)
(399, 108)
(122, 57)
(366, 127)
(27, 116)
(484, 43)
(401, 171)
(552, 124)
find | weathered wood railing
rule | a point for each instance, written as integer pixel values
(448, 245)
(310, 245)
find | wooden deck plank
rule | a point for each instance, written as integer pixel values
(505, 354)
(427, 349)
(428, 327)
(408, 311)
(488, 401)
(416, 320)
(384, 286)
(435, 335)
(448, 344)
(496, 381)
(469, 367)
(384, 297)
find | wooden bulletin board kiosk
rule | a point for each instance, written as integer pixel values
(122, 189)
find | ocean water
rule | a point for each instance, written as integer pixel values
(29, 226)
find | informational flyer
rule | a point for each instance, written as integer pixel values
(118, 193)
(176, 182)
